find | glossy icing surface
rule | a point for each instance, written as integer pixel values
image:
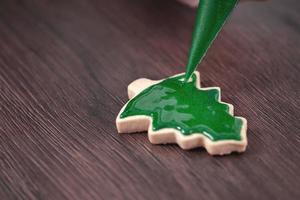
(182, 106)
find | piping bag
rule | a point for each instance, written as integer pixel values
(210, 18)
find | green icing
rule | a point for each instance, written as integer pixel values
(211, 16)
(182, 106)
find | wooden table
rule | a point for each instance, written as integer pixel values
(64, 69)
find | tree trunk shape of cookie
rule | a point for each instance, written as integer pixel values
(211, 16)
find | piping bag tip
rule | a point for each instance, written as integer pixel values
(210, 18)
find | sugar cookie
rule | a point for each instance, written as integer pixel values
(182, 113)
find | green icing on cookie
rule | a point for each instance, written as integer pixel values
(182, 106)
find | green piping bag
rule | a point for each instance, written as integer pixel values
(210, 18)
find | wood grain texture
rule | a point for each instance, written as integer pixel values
(64, 69)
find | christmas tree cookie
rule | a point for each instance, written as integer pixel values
(174, 111)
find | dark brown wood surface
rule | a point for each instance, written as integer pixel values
(64, 69)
